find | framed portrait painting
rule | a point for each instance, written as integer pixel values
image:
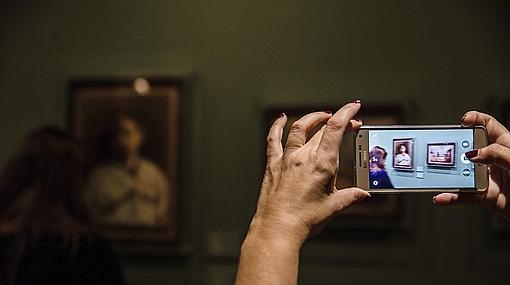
(385, 207)
(403, 152)
(131, 131)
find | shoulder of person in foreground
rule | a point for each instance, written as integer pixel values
(89, 261)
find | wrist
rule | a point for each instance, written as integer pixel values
(287, 231)
(268, 255)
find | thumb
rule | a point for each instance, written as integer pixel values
(344, 198)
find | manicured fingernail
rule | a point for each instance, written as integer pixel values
(282, 115)
(357, 101)
(328, 112)
(471, 153)
(463, 117)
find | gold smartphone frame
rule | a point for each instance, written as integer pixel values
(362, 157)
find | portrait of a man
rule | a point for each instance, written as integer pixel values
(403, 154)
(132, 134)
(127, 188)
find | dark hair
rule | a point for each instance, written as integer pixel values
(376, 154)
(104, 143)
(402, 145)
(41, 192)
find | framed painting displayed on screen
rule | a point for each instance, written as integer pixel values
(403, 154)
(441, 154)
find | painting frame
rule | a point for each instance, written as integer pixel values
(381, 208)
(152, 99)
(435, 161)
(409, 146)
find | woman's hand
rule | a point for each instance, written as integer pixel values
(497, 156)
(298, 195)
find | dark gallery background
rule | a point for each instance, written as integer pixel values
(241, 60)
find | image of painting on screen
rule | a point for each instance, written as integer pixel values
(441, 154)
(403, 154)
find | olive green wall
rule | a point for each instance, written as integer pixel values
(436, 58)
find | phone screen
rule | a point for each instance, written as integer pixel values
(421, 158)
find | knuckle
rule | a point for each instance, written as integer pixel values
(336, 124)
(488, 118)
(270, 139)
(271, 154)
(495, 150)
(355, 195)
(324, 167)
(297, 162)
(271, 169)
(294, 161)
(500, 149)
(297, 127)
(499, 154)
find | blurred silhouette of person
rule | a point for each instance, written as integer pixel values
(126, 188)
(402, 158)
(45, 228)
(378, 176)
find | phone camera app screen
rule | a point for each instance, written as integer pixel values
(420, 159)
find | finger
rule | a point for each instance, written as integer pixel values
(492, 199)
(274, 149)
(495, 130)
(486, 199)
(489, 199)
(300, 128)
(450, 199)
(335, 128)
(492, 154)
(353, 125)
(342, 199)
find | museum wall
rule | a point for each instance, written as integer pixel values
(239, 59)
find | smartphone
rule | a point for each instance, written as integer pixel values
(396, 159)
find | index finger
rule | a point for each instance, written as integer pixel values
(495, 130)
(274, 149)
(335, 128)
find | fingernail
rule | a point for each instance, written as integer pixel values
(328, 112)
(434, 200)
(282, 115)
(368, 198)
(471, 153)
(463, 117)
(357, 101)
(357, 119)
